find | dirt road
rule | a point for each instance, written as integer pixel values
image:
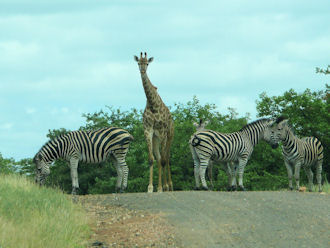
(224, 219)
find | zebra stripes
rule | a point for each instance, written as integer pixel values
(86, 146)
(229, 166)
(304, 152)
(234, 147)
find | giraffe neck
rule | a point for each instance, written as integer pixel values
(153, 99)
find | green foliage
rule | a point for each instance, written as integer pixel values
(324, 71)
(308, 112)
(6, 165)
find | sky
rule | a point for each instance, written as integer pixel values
(61, 59)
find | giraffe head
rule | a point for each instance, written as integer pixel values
(143, 62)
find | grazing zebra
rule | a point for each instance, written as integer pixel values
(87, 146)
(229, 166)
(236, 147)
(304, 152)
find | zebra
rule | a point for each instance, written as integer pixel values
(86, 146)
(229, 166)
(305, 152)
(234, 147)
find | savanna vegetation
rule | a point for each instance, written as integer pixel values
(308, 112)
(31, 216)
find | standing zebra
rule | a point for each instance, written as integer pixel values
(234, 147)
(87, 146)
(229, 166)
(304, 152)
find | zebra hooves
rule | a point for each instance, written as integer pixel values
(291, 188)
(241, 188)
(232, 188)
(197, 188)
(205, 188)
(120, 190)
(74, 191)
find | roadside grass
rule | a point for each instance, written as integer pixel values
(39, 217)
(325, 187)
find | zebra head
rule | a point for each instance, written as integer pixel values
(268, 137)
(201, 125)
(279, 129)
(143, 62)
(42, 169)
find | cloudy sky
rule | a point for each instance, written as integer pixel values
(60, 59)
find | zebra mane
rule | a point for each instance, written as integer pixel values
(47, 142)
(280, 118)
(254, 122)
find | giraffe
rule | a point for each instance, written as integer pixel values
(158, 129)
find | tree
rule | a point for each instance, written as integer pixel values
(262, 172)
(324, 71)
(7, 165)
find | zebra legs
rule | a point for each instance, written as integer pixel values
(289, 170)
(231, 173)
(122, 170)
(297, 174)
(74, 175)
(241, 167)
(122, 174)
(309, 174)
(318, 174)
(202, 169)
(196, 167)
(210, 173)
(200, 165)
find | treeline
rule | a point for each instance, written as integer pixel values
(308, 112)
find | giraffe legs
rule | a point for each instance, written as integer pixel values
(148, 135)
(156, 146)
(159, 142)
(165, 156)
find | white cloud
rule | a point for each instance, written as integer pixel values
(64, 57)
(317, 48)
(17, 52)
(6, 126)
(30, 110)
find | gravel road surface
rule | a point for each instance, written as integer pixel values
(235, 219)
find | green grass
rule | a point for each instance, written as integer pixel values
(325, 187)
(32, 216)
